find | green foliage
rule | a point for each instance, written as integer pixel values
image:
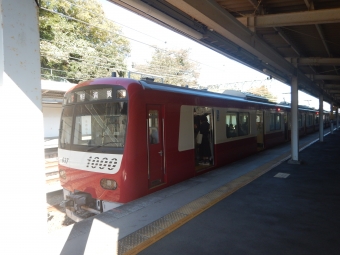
(264, 92)
(173, 65)
(78, 42)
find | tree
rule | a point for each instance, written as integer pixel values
(78, 42)
(264, 92)
(173, 65)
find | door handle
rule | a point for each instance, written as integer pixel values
(160, 153)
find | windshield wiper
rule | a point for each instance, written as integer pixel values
(99, 146)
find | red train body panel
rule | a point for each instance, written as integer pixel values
(122, 139)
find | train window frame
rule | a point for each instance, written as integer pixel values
(61, 130)
(153, 121)
(231, 119)
(113, 132)
(238, 129)
(300, 120)
(309, 120)
(275, 121)
(244, 129)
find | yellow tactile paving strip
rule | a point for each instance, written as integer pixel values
(146, 236)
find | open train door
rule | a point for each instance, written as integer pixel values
(260, 130)
(155, 145)
(204, 150)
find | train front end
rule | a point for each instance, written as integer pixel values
(91, 145)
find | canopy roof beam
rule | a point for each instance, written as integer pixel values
(315, 61)
(209, 13)
(294, 18)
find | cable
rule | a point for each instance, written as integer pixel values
(98, 58)
(94, 65)
(86, 23)
(109, 19)
(152, 46)
(160, 68)
(47, 54)
(148, 70)
(328, 71)
(314, 37)
(80, 47)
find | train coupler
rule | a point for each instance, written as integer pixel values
(75, 202)
(67, 203)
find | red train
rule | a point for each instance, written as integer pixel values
(121, 139)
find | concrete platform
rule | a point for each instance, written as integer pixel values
(238, 209)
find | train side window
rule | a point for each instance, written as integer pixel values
(153, 127)
(278, 122)
(275, 121)
(272, 122)
(309, 120)
(300, 120)
(231, 125)
(243, 121)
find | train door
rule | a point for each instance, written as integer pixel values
(204, 149)
(260, 130)
(286, 126)
(211, 136)
(155, 145)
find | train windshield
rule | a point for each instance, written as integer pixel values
(95, 125)
(102, 124)
(66, 126)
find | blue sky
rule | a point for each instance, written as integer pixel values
(215, 68)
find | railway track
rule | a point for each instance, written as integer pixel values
(51, 171)
(53, 200)
(53, 208)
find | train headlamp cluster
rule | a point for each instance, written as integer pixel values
(108, 184)
(62, 174)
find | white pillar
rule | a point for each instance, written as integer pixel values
(321, 118)
(295, 125)
(23, 198)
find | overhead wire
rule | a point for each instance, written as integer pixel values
(84, 62)
(311, 36)
(149, 69)
(106, 18)
(161, 64)
(138, 41)
(160, 68)
(86, 23)
(91, 25)
(47, 53)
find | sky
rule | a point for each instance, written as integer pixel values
(215, 68)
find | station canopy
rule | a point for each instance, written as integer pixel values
(280, 38)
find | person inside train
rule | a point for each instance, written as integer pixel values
(244, 129)
(196, 131)
(153, 135)
(204, 147)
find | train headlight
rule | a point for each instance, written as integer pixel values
(62, 174)
(108, 184)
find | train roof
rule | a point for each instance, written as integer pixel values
(235, 95)
(226, 95)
